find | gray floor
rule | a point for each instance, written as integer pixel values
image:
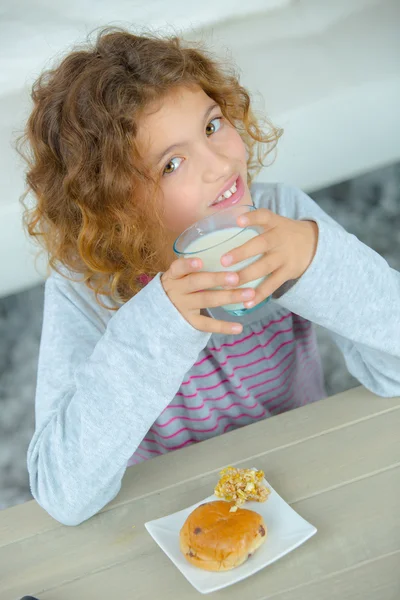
(368, 206)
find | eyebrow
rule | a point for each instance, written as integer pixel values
(160, 156)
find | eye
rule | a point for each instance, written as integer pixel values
(171, 166)
(213, 126)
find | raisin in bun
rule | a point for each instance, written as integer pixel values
(215, 539)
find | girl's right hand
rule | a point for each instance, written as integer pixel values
(189, 291)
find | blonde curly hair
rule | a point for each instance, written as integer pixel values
(84, 168)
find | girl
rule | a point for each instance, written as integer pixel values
(133, 139)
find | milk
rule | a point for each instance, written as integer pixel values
(212, 246)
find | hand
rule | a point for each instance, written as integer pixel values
(189, 291)
(288, 248)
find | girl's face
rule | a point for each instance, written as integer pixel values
(197, 153)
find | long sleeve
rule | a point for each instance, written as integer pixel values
(350, 290)
(102, 382)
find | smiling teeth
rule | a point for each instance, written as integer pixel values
(227, 194)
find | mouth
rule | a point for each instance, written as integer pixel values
(231, 194)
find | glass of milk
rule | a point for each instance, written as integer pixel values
(214, 236)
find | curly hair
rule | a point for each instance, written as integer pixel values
(84, 168)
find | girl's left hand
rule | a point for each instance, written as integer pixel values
(288, 248)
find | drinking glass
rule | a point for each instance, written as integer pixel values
(216, 235)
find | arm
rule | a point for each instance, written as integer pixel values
(102, 382)
(350, 290)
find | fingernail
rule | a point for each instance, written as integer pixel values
(194, 263)
(236, 328)
(231, 278)
(243, 221)
(249, 304)
(227, 260)
(247, 293)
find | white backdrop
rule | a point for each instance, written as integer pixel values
(327, 72)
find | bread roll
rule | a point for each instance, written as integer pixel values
(215, 539)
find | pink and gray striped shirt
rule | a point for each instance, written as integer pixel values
(272, 367)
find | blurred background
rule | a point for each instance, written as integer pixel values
(327, 72)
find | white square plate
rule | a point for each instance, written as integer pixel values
(285, 528)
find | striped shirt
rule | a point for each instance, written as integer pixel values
(272, 367)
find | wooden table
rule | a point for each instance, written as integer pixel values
(337, 462)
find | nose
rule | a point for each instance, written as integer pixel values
(215, 164)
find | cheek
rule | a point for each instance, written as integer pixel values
(237, 149)
(181, 206)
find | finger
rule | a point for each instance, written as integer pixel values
(262, 216)
(264, 242)
(268, 287)
(215, 298)
(183, 266)
(265, 265)
(210, 325)
(196, 282)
